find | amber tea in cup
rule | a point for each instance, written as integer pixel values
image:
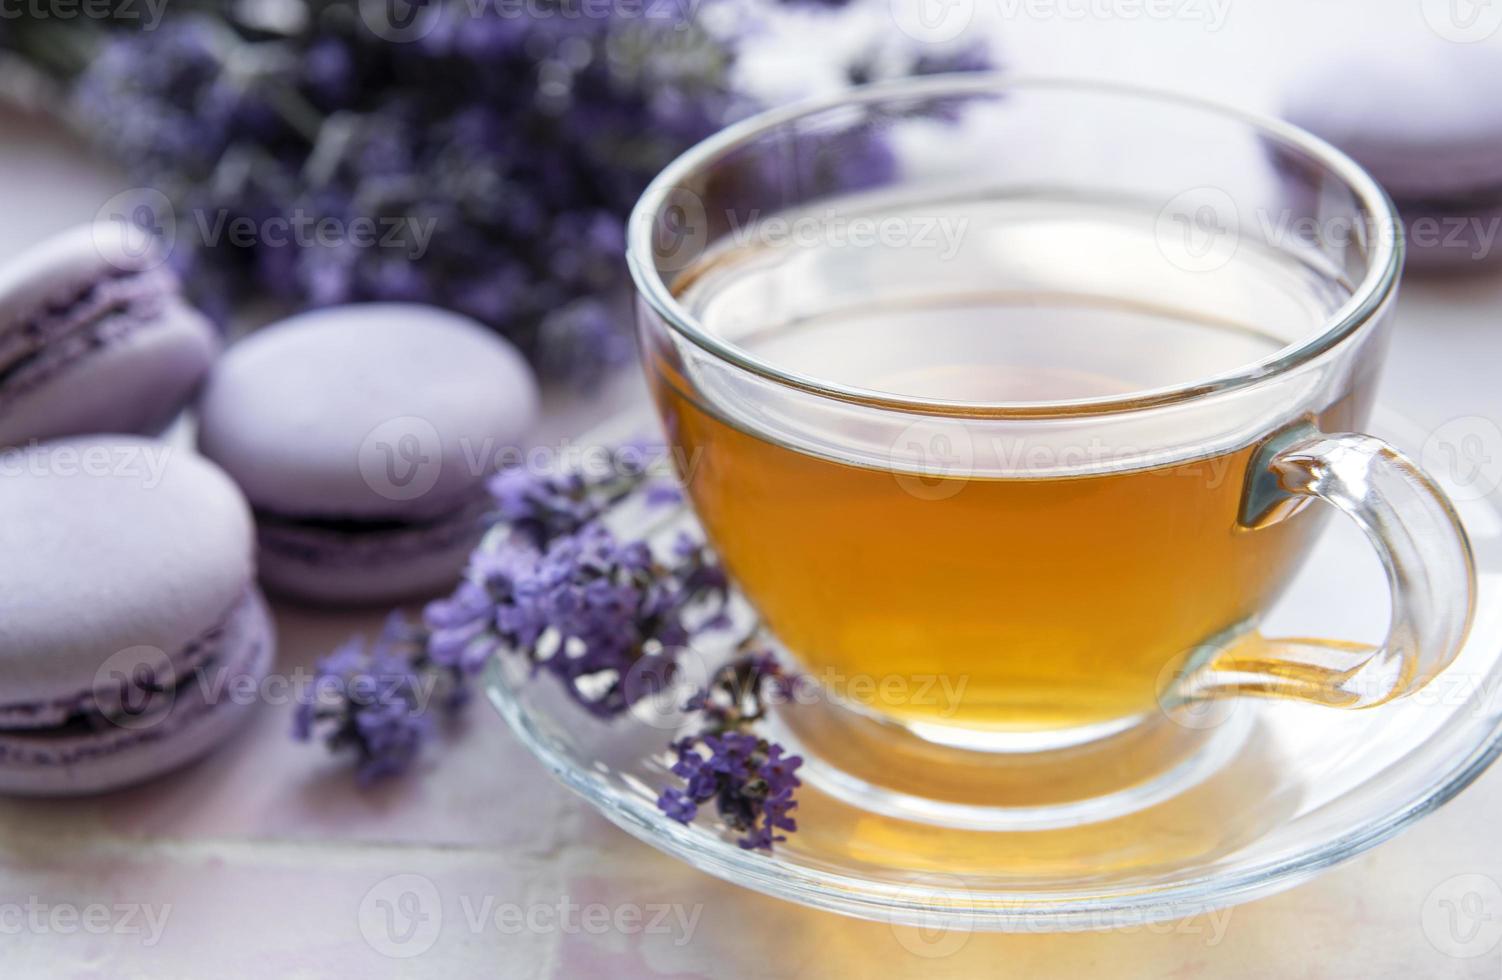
(1003, 428)
(1050, 600)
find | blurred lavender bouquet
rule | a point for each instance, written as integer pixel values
(478, 154)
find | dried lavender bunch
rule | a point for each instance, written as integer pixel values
(751, 780)
(551, 582)
(375, 701)
(494, 159)
(496, 155)
(605, 618)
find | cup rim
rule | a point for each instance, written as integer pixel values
(1376, 286)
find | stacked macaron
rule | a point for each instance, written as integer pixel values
(130, 626)
(1421, 122)
(95, 337)
(128, 608)
(364, 436)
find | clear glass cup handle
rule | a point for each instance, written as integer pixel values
(1424, 551)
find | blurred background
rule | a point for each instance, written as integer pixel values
(494, 147)
(491, 149)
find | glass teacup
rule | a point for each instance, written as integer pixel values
(1003, 401)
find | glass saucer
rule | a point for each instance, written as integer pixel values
(1292, 790)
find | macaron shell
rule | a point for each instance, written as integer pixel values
(111, 543)
(136, 383)
(1422, 120)
(204, 713)
(58, 268)
(370, 410)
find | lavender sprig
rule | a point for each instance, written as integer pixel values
(554, 584)
(373, 701)
(605, 617)
(750, 779)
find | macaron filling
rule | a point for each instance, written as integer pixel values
(62, 731)
(1470, 202)
(57, 333)
(352, 541)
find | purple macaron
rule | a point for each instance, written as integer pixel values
(95, 337)
(132, 637)
(1422, 124)
(364, 436)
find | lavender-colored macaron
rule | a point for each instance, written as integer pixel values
(364, 436)
(1422, 122)
(132, 637)
(95, 337)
